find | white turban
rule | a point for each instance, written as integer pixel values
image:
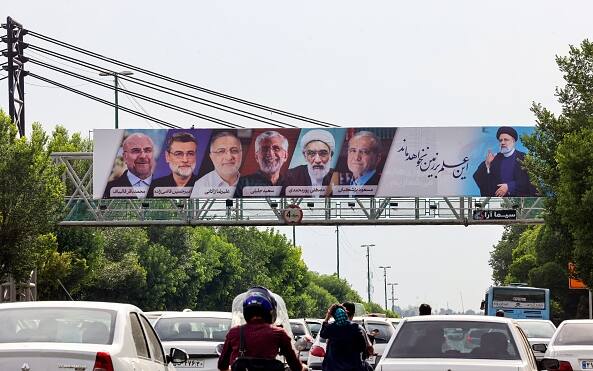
(320, 135)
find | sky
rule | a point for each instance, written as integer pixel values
(352, 63)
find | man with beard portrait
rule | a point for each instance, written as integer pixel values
(271, 152)
(181, 156)
(318, 149)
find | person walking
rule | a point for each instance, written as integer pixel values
(345, 341)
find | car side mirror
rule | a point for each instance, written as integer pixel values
(301, 344)
(177, 356)
(549, 363)
(483, 305)
(539, 347)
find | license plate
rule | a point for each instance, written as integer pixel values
(371, 360)
(192, 363)
(587, 364)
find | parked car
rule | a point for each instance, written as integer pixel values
(302, 334)
(201, 334)
(420, 343)
(572, 345)
(46, 335)
(538, 331)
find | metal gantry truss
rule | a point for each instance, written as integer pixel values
(82, 210)
(15, 66)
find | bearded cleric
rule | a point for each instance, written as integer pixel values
(271, 152)
(503, 175)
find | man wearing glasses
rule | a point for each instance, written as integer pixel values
(138, 150)
(364, 154)
(226, 154)
(181, 157)
(271, 152)
(308, 180)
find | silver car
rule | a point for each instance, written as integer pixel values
(538, 331)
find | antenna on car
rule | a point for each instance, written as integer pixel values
(67, 293)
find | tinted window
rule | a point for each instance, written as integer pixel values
(537, 329)
(518, 298)
(314, 327)
(428, 339)
(298, 329)
(153, 341)
(57, 325)
(138, 335)
(193, 328)
(575, 334)
(381, 331)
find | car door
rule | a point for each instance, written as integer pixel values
(143, 362)
(157, 355)
(526, 348)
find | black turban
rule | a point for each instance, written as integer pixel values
(507, 130)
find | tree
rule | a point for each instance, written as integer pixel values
(31, 197)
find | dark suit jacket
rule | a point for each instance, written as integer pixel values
(488, 182)
(168, 181)
(346, 178)
(256, 179)
(122, 181)
(299, 176)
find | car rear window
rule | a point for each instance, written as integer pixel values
(537, 329)
(575, 334)
(454, 339)
(57, 325)
(192, 328)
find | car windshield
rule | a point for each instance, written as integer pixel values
(298, 329)
(575, 334)
(454, 339)
(381, 331)
(537, 329)
(314, 327)
(192, 328)
(57, 325)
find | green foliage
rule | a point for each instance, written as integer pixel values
(501, 257)
(339, 288)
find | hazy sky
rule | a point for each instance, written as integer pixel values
(392, 63)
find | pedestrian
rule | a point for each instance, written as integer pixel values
(256, 343)
(345, 341)
(425, 309)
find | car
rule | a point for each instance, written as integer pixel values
(571, 345)
(314, 326)
(316, 353)
(538, 331)
(55, 335)
(200, 333)
(300, 330)
(394, 321)
(421, 343)
(152, 316)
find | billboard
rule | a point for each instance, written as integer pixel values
(313, 162)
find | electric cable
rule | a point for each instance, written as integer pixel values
(179, 82)
(167, 90)
(123, 108)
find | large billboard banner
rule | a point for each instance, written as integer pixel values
(339, 162)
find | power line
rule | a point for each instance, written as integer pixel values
(137, 104)
(170, 91)
(138, 95)
(175, 81)
(125, 109)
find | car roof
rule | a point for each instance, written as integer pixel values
(371, 319)
(70, 304)
(577, 321)
(197, 314)
(459, 317)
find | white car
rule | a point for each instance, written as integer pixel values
(300, 331)
(538, 331)
(434, 343)
(200, 333)
(572, 345)
(73, 335)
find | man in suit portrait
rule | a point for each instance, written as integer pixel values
(181, 156)
(138, 151)
(503, 175)
(364, 154)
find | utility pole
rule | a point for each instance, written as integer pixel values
(116, 88)
(385, 278)
(338, 250)
(368, 271)
(293, 236)
(15, 66)
(393, 298)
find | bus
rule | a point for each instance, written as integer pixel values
(518, 301)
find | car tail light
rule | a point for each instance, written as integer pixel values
(317, 351)
(103, 362)
(565, 366)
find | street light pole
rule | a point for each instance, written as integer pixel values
(116, 88)
(393, 298)
(385, 278)
(368, 271)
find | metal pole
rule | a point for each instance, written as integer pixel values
(293, 236)
(338, 250)
(385, 279)
(368, 271)
(590, 305)
(116, 108)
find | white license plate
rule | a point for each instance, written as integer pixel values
(371, 360)
(192, 363)
(587, 364)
